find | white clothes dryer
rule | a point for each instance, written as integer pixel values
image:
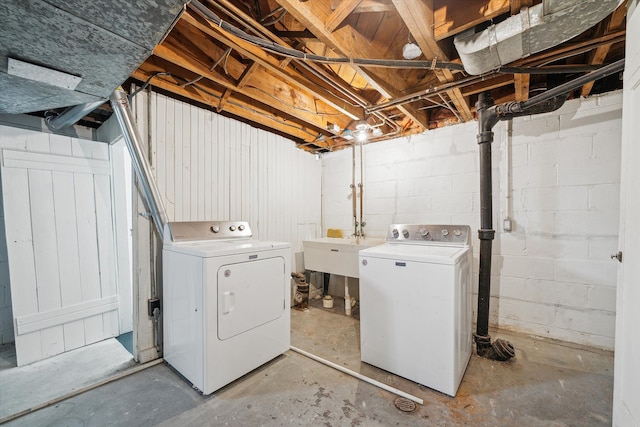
(226, 302)
(415, 304)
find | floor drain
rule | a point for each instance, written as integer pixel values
(405, 404)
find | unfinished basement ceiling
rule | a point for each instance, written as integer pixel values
(59, 53)
(275, 82)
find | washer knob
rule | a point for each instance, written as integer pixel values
(405, 233)
(215, 228)
(445, 232)
(424, 232)
(457, 233)
(395, 233)
(232, 228)
(241, 227)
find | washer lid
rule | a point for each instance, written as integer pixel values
(211, 248)
(433, 254)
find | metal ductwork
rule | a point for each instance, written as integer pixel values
(533, 30)
(150, 192)
(60, 53)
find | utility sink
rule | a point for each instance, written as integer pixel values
(336, 255)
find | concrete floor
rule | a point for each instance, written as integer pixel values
(548, 383)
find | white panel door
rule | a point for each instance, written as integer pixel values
(626, 390)
(61, 250)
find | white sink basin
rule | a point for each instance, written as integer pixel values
(335, 255)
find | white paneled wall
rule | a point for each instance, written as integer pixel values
(552, 275)
(210, 167)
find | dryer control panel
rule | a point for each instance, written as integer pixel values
(209, 230)
(456, 235)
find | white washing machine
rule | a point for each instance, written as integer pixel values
(226, 302)
(415, 304)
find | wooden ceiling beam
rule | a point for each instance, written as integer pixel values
(245, 111)
(367, 6)
(489, 84)
(418, 16)
(449, 19)
(340, 14)
(242, 81)
(521, 81)
(354, 112)
(313, 14)
(266, 89)
(273, 65)
(597, 57)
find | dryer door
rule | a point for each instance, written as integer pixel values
(250, 294)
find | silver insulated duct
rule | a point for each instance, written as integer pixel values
(151, 195)
(532, 30)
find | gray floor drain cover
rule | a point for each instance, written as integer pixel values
(405, 404)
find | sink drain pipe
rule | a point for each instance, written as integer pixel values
(488, 116)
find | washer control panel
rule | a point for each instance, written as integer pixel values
(209, 230)
(424, 233)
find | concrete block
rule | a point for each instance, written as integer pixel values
(510, 244)
(378, 224)
(519, 155)
(607, 147)
(379, 189)
(573, 148)
(557, 293)
(534, 222)
(590, 121)
(588, 172)
(386, 205)
(472, 219)
(451, 203)
(601, 248)
(570, 223)
(527, 311)
(412, 205)
(557, 247)
(527, 177)
(595, 322)
(602, 298)
(535, 128)
(526, 266)
(451, 165)
(589, 272)
(379, 173)
(510, 287)
(415, 169)
(555, 199)
(465, 183)
(605, 198)
(431, 185)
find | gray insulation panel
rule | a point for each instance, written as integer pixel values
(102, 42)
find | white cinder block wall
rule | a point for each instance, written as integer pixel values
(552, 275)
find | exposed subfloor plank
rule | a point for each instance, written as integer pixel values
(547, 383)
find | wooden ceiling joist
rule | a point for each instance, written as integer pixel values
(281, 86)
(313, 14)
(418, 17)
(272, 64)
(448, 21)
